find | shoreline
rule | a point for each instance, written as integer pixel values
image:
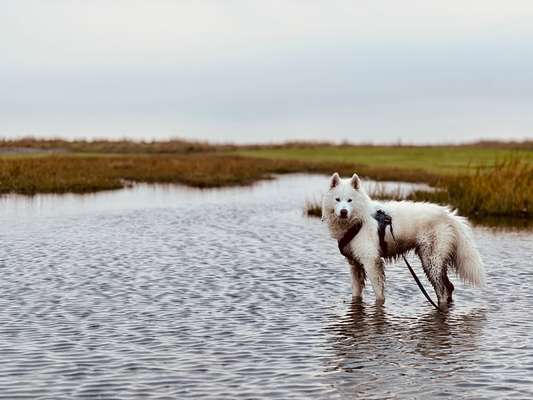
(481, 182)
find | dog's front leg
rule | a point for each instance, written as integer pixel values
(358, 278)
(374, 269)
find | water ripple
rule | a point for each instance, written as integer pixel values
(168, 292)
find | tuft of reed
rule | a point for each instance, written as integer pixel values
(506, 190)
(379, 192)
(313, 208)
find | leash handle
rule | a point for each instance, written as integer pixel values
(413, 273)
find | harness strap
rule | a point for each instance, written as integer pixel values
(347, 238)
(383, 219)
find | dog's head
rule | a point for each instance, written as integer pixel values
(345, 201)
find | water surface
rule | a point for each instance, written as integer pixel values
(169, 292)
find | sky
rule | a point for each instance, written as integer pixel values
(266, 71)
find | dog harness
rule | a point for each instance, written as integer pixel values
(383, 220)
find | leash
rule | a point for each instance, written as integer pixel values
(384, 220)
(412, 271)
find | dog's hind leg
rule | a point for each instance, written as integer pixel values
(448, 284)
(358, 278)
(435, 270)
(434, 265)
(435, 274)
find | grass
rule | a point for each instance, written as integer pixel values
(503, 191)
(423, 160)
(86, 171)
(175, 146)
(83, 173)
(313, 208)
(89, 173)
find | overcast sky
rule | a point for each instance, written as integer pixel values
(260, 71)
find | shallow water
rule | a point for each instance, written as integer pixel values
(169, 292)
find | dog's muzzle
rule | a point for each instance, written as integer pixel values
(344, 213)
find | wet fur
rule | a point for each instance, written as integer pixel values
(440, 238)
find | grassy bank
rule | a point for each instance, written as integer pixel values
(82, 173)
(482, 180)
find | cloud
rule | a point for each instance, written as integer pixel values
(240, 70)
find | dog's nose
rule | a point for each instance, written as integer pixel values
(344, 213)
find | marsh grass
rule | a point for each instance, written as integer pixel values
(175, 146)
(472, 179)
(87, 172)
(506, 190)
(313, 208)
(79, 173)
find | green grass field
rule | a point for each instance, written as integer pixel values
(438, 160)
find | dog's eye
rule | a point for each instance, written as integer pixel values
(349, 200)
(337, 199)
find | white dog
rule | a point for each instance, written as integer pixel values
(438, 236)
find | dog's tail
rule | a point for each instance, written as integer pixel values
(467, 259)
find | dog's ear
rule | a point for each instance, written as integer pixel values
(356, 182)
(335, 180)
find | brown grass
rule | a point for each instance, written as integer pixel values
(64, 172)
(60, 173)
(313, 208)
(175, 146)
(79, 174)
(181, 146)
(503, 191)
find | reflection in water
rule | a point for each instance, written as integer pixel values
(351, 333)
(374, 345)
(440, 334)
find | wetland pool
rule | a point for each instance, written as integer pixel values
(167, 292)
